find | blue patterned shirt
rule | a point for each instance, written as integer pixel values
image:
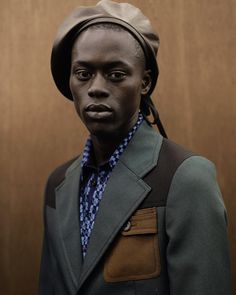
(93, 182)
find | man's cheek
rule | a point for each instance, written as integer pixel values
(78, 108)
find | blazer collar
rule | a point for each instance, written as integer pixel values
(142, 153)
(123, 194)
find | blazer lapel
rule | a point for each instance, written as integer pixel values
(67, 207)
(124, 192)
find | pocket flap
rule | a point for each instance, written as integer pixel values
(144, 221)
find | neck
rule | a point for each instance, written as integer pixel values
(104, 148)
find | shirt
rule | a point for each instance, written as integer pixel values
(93, 181)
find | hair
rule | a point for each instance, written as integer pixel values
(147, 106)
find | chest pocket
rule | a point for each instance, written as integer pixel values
(135, 254)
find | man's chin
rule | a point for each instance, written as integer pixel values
(104, 133)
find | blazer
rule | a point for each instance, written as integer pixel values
(177, 246)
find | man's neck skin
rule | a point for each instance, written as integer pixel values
(104, 148)
(105, 145)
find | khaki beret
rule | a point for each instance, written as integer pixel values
(123, 14)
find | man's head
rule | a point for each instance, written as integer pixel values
(126, 19)
(108, 79)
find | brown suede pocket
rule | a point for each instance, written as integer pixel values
(135, 254)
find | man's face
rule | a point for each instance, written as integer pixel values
(106, 81)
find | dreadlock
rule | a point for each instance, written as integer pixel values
(148, 108)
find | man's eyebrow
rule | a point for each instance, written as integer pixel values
(107, 64)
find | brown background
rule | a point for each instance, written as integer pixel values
(39, 129)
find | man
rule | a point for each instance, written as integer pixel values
(134, 213)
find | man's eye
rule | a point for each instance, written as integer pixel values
(83, 75)
(116, 76)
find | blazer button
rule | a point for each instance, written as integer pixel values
(127, 227)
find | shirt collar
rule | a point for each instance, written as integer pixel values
(87, 159)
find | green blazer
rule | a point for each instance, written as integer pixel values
(178, 247)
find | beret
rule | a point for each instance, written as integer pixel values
(124, 14)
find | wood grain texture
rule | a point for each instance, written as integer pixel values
(196, 96)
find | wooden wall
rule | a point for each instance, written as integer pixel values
(196, 96)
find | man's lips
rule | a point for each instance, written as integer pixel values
(98, 108)
(99, 111)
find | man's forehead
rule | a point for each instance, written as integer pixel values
(108, 36)
(112, 49)
(115, 46)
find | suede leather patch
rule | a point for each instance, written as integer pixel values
(135, 254)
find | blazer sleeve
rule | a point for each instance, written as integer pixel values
(196, 226)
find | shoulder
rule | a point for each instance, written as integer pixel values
(55, 178)
(194, 192)
(192, 178)
(188, 168)
(195, 172)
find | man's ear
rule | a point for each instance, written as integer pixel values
(146, 82)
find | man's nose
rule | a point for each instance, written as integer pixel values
(98, 87)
